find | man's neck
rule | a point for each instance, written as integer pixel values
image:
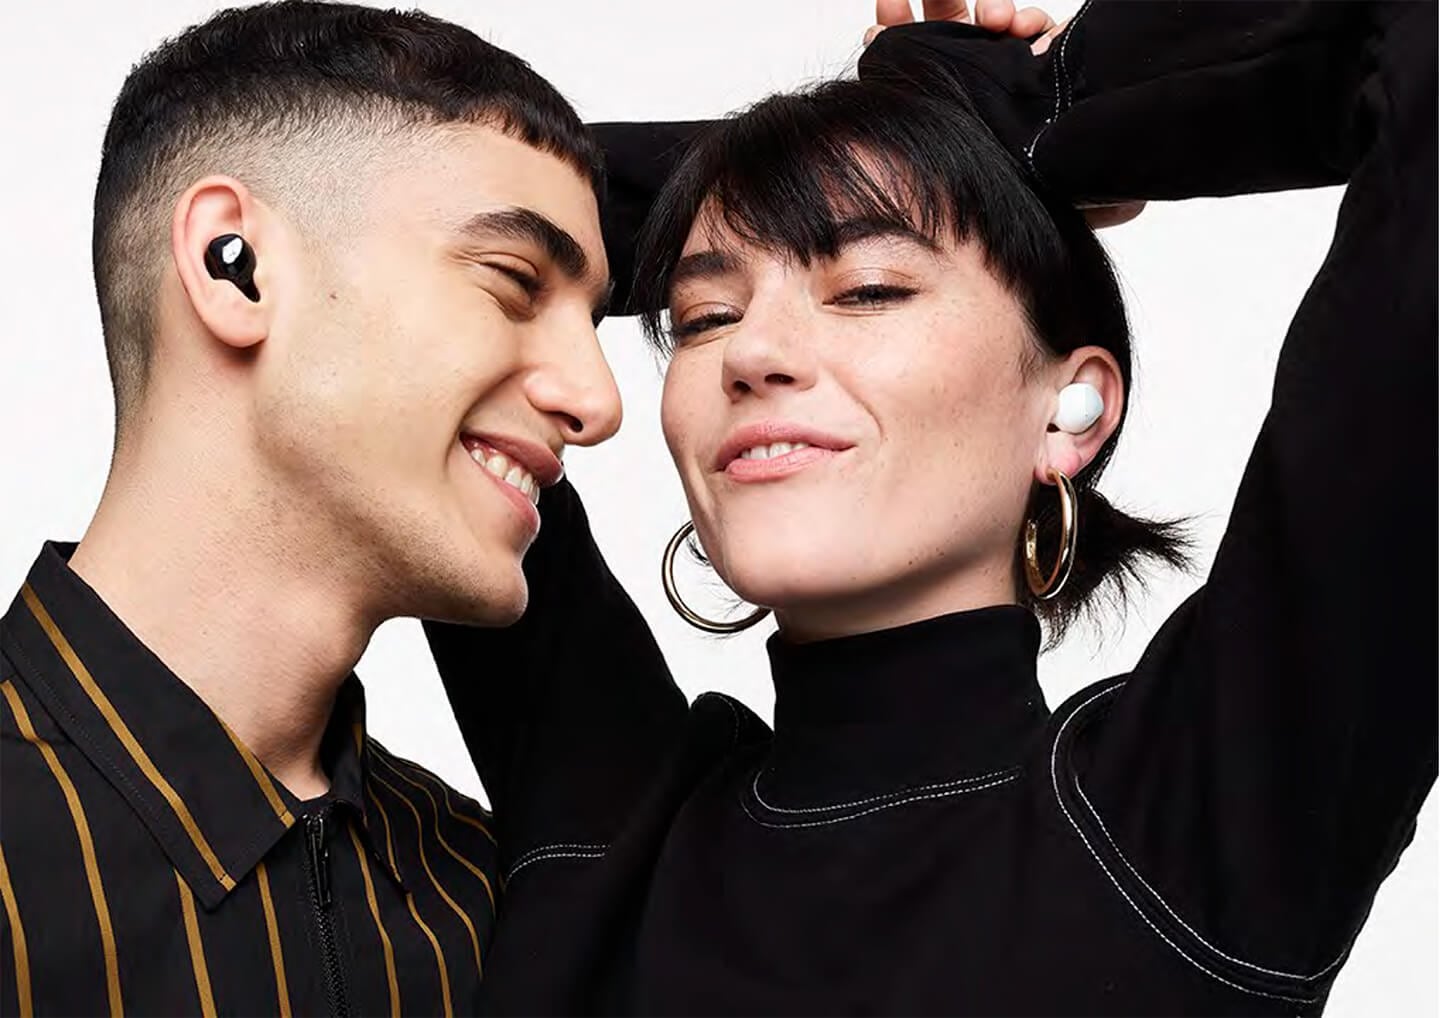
(218, 590)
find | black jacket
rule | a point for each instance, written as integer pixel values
(1203, 835)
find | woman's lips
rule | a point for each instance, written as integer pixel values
(774, 468)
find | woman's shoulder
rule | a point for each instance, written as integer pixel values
(724, 724)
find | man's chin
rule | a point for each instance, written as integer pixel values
(492, 608)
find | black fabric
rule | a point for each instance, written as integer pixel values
(639, 157)
(1203, 835)
(126, 803)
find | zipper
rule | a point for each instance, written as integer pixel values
(317, 855)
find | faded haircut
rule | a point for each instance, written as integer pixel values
(273, 94)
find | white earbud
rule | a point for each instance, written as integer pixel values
(1078, 407)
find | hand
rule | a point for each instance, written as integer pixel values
(1000, 16)
(994, 15)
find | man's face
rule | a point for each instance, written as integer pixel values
(443, 352)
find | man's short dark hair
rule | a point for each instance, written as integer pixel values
(238, 92)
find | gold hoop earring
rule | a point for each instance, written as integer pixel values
(1042, 587)
(667, 577)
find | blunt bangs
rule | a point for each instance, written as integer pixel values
(788, 174)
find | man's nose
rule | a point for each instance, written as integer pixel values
(575, 385)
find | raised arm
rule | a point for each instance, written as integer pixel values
(1256, 777)
(568, 712)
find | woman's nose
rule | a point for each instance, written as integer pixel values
(767, 353)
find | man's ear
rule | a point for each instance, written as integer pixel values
(214, 207)
(1070, 453)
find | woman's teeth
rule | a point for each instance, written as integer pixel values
(508, 471)
(769, 452)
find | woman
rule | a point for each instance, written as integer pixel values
(864, 272)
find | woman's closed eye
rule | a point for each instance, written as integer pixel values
(703, 321)
(870, 295)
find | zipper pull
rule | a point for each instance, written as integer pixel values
(319, 856)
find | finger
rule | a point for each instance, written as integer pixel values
(1030, 21)
(872, 32)
(946, 10)
(893, 12)
(1101, 216)
(995, 15)
(1043, 43)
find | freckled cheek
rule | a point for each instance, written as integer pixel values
(685, 402)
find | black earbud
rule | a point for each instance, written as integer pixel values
(229, 257)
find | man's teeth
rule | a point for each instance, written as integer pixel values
(508, 471)
(769, 452)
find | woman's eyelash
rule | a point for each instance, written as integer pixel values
(869, 293)
(703, 323)
(874, 293)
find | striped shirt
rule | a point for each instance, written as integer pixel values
(149, 864)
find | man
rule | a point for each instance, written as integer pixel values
(349, 265)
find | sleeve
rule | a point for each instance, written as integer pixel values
(569, 713)
(639, 158)
(1257, 775)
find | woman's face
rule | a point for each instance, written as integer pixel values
(900, 368)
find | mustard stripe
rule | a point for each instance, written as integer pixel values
(261, 778)
(379, 926)
(272, 930)
(441, 838)
(127, 739)
(87, 846)
(439, 955)
(420, 840)
(444, 792)
(385, 822)
(197, 948)
(17, 935)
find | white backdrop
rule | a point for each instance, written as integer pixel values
(1211, 285)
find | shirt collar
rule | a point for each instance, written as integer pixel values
(211, 805)
(946, 698)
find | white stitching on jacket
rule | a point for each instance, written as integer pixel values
(1062, 83)
(876, 809)
(937, 786)
(1055, 784)
(549, 852)
(1156, 895)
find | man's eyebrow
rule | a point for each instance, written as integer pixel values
(557, 243)
(703, 265)
(527, 224)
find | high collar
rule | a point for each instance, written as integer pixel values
(947, 698)
(212, 806)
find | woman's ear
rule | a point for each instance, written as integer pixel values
(212, 208)
(1078, 429)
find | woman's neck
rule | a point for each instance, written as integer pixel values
(911, 598)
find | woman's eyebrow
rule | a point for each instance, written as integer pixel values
(703, 265)
(863, 228)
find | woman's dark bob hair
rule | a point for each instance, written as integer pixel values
(907, 149)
